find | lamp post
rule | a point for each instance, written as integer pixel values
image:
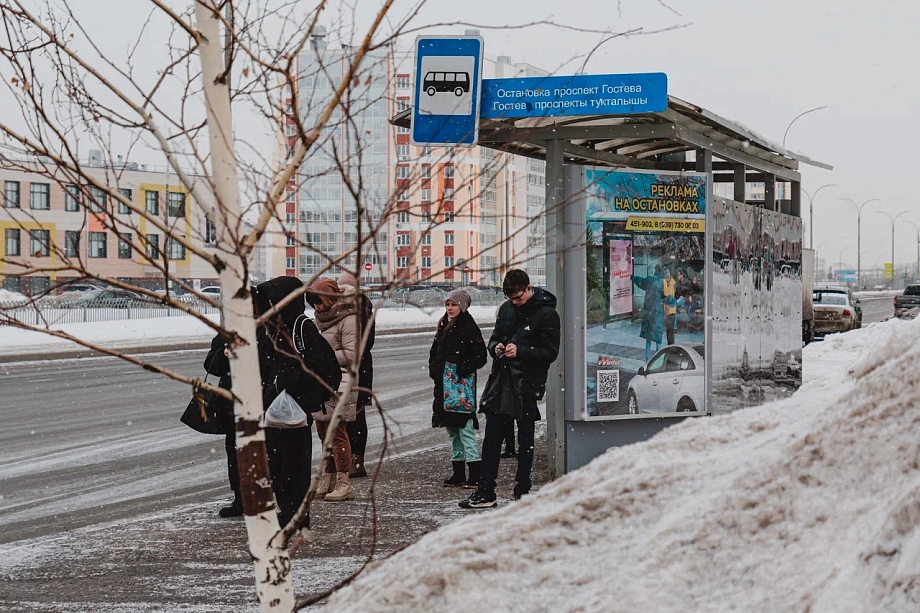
(811, 212)
(917, 228)
(796, 118)
(859, 208)
(893, 219)
(840, 260)
(817, 251)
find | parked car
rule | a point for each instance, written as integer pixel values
(851, 295)
(103, 298)
(834, 312)
(212, 292)
(910, 299)
(75, 287)
(673, 381)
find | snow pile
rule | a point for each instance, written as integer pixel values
(11, 297)
(811, 503)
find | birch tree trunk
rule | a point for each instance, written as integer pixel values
(272, 564)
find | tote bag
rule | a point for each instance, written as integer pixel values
(459, 392)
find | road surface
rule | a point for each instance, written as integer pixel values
(85, 441)
(877, 309)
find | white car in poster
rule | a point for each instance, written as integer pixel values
(673, 381)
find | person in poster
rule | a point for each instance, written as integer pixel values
(652, 328)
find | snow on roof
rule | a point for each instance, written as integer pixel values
(811, 503)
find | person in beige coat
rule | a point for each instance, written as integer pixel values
(338, 321)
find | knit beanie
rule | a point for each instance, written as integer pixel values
(346, 278)
(461, 298)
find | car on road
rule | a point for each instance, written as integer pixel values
(106, 298)
(834, 312)
(851, 295)
(672, 381)
(907, 301)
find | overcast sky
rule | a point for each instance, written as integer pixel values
(759, 62)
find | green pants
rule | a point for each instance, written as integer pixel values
(463, 445)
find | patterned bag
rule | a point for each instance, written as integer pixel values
(459, 392)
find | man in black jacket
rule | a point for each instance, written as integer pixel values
(527, 331)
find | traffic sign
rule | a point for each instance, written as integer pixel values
(606, 94)
(889, 271)
(367, 266)
(448, 78)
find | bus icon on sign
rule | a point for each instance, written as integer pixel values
(456, 82)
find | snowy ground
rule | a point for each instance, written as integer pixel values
(810, 504)
(127, 334)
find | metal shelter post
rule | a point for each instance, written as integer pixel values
(555, 281)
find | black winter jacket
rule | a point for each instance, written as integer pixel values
(366, 372)
(462, 345)
(536, 324)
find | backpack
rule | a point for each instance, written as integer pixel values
(317, 354)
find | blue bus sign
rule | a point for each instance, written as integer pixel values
(448, 76)
(611, 94)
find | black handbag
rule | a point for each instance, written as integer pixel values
(503, 393)
(208, 414)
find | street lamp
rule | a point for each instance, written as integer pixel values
(859, 208)
(917, 228)
(893, 219)
(840, 260)
(796, 118)
(818, 251)
(811, 212)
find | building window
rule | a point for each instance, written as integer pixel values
(290, 130)
(426, 238)
(39, 243)
(291, 219)
(448, 238)
(175, 205)
(402, 82)
(11, 194)
(426, 150)
(175, 249)
(449, 171)
(97, 245)
(71, 198)
(291, 263)
(448, 261)
(402, 262)
(12, 241)
(98, 200)
(426, 262)
(402, 239)
(426, 171)
(402, 152)
(426, 217)
(122, 207)
(124, 245)
(72, 243)
(402, 217)
(210, 232)
(292, 196)
(448, 216)
(153, 246)
(152, 202)
(426, 195)
(448, 194)
(402, 172)
(40, 196)
(403, 195)
(291, 242)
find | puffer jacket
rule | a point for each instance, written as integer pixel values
(340, 326)
(462, 345)
(536, 324)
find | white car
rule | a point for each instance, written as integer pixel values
(673, 381)
(212, 292)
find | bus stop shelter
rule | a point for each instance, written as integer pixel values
(721, 151)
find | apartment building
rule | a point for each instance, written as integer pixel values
(48, 220)
(451, 215)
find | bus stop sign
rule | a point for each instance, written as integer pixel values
(448, 75)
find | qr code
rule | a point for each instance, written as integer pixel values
(608, 386)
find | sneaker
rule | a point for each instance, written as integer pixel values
(478, 500)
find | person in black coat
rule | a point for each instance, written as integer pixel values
(527, 332)
(457, 352)
(289, 449)
(217, 363)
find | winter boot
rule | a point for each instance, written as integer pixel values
(459, 476)
(342, 489)
(234, 509)
(325, 485)
(357, 467)
(473, 482)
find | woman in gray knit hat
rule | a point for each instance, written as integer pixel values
(457, 352)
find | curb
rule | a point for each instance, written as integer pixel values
(179, 346)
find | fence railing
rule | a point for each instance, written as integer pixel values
(39, 314)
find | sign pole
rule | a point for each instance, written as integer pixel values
(555, 280)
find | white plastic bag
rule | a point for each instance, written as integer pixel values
(284, 412)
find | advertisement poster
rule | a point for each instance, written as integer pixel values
(646, 254)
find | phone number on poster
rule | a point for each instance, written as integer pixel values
(658, 224)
